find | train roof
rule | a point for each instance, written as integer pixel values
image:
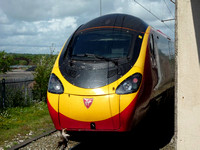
(118, 20)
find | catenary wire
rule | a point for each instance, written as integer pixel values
(154, 15)
(168, 8)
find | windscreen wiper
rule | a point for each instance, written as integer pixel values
(101, 58)
(96, 56)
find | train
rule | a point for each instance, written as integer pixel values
(107, 74)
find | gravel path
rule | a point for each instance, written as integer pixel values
(47, 143)
(51, 143)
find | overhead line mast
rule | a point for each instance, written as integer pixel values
(100, 9)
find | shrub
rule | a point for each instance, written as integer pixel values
(41, 77)
(16, 97)
(5, 62)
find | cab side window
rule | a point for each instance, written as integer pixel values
(152, 50)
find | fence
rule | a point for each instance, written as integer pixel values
(16, 92)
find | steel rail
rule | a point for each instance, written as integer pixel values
(26, 142)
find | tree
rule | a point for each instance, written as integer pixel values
(5, 62)
(41, 76)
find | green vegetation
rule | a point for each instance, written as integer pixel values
(25, 59)
(15, 97)
(23, 120)
(41, 76)
(5, 62)
(21, 59)
(26, 117)
(44, 64)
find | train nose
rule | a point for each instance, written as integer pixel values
(78, 112)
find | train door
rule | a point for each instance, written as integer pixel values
(162, 59)
(152, 51)
(154, 56)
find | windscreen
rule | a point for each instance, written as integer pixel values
(108, 43)
(97, 57)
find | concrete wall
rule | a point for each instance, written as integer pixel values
(188, 74)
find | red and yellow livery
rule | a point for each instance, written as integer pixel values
(107, 73)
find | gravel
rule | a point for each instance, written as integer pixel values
(47, 143)
(51, 141)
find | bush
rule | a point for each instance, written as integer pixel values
(5, 62)
(41, 77)
(15, 97)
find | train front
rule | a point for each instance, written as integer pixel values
(97, 76)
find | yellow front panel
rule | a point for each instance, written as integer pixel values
(102, 107)
(106, 103)
(53, 100)
(108, 89)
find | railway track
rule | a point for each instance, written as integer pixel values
(23, 144)
(49, 140)
(150, 133)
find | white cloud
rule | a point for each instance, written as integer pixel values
(3, 18)
(37, 10)
(56, 25)
(62, 24)
(33, 26)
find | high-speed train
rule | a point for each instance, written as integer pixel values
(107, 73)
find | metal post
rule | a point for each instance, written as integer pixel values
(100, 8)
(3, 92)
(1, 101)
(25, 92)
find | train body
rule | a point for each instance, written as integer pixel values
(107, 74)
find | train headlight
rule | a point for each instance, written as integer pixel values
(55, 86)
(130, 85)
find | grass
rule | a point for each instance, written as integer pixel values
(23, 123)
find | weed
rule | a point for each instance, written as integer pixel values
(41, 77)
(23, 122)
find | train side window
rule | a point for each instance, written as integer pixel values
(152, 44)
(152, 50)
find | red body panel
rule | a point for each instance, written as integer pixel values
(128, 117)
(54, 116)
(74, 125)
(155, 80)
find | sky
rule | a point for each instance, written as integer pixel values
(43, 26)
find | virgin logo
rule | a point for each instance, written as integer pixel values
(87, 102)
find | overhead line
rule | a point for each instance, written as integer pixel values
(154, 15)
(147, 10)
(168, 8)
(167, 20)
(172, 1)
(167, 26)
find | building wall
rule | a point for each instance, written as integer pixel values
(188, 74)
